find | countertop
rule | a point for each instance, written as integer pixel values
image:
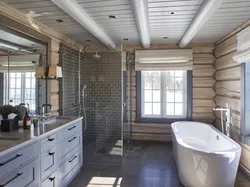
(9, 140)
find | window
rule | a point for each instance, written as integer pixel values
(22, 89)
(164, 95)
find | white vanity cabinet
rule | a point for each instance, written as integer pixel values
(50, 160)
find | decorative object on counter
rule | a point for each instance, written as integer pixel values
(21, 111)
(8, 125)
(5, 110)
(27, 119)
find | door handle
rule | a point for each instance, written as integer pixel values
(71, 128)
(12, 179)
(72, 139)
(73, 159)
(6, 162)
(50, 139)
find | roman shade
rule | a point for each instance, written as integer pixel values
(22, 63)
(173, 59)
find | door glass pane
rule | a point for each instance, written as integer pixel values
(156, 108)
(156, 83)
(18, 93)
(27, 83)
(178, 96)
(169, 83)
(156, 95)
(12, 93)
(12, 83)
(18, 83)
(170, 96)
(178, 83)
(148, 96)
(170, 108)
(27, 93)
(178, 109)
(148, 109)
(148, 83)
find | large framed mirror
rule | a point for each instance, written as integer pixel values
(20, 55)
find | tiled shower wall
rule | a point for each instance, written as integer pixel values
(103, 93)
(103, 101)
(68, 85)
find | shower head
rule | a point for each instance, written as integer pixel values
(84, 87)
(96, 55)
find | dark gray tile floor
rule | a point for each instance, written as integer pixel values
(147, 164)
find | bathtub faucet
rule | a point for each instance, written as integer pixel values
(228, 112)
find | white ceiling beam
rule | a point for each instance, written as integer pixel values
(206, 10)
(78, 14)
(140, 11)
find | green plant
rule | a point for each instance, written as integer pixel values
(6, 110)
(21, 111)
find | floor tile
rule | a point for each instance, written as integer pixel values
(147, 164)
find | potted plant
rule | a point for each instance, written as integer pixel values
(6, 110)
(8, 124)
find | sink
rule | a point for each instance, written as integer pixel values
(56, 120)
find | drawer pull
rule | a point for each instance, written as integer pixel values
(72, 139)
(51, 154)
(50, 139)
(52, 179)
(69, 129)
(12, 179)
(6, 162)
(73, 159)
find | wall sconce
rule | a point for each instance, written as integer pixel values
(52, 72)
(40, 71)
(55, 72)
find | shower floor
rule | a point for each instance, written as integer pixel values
(105, 152)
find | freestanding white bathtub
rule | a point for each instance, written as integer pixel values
(204, 156)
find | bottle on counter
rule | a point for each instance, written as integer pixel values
(26, 121)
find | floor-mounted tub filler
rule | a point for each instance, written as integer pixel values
(204, 156)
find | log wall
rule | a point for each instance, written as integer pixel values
(228, 88)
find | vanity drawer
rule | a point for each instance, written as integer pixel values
(51, 181)
(70, 130)
(69, 164)
(48, 142)
(17, 159)
(27, 176)
(68, 144)
(48, 162)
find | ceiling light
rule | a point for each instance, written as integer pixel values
(125, 38)
(59, 21)
(171, 13)
(112, 16)
(165, 38)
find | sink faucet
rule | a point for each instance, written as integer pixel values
(43, 108)
(228, 112)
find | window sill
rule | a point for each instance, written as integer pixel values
(160, 120)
